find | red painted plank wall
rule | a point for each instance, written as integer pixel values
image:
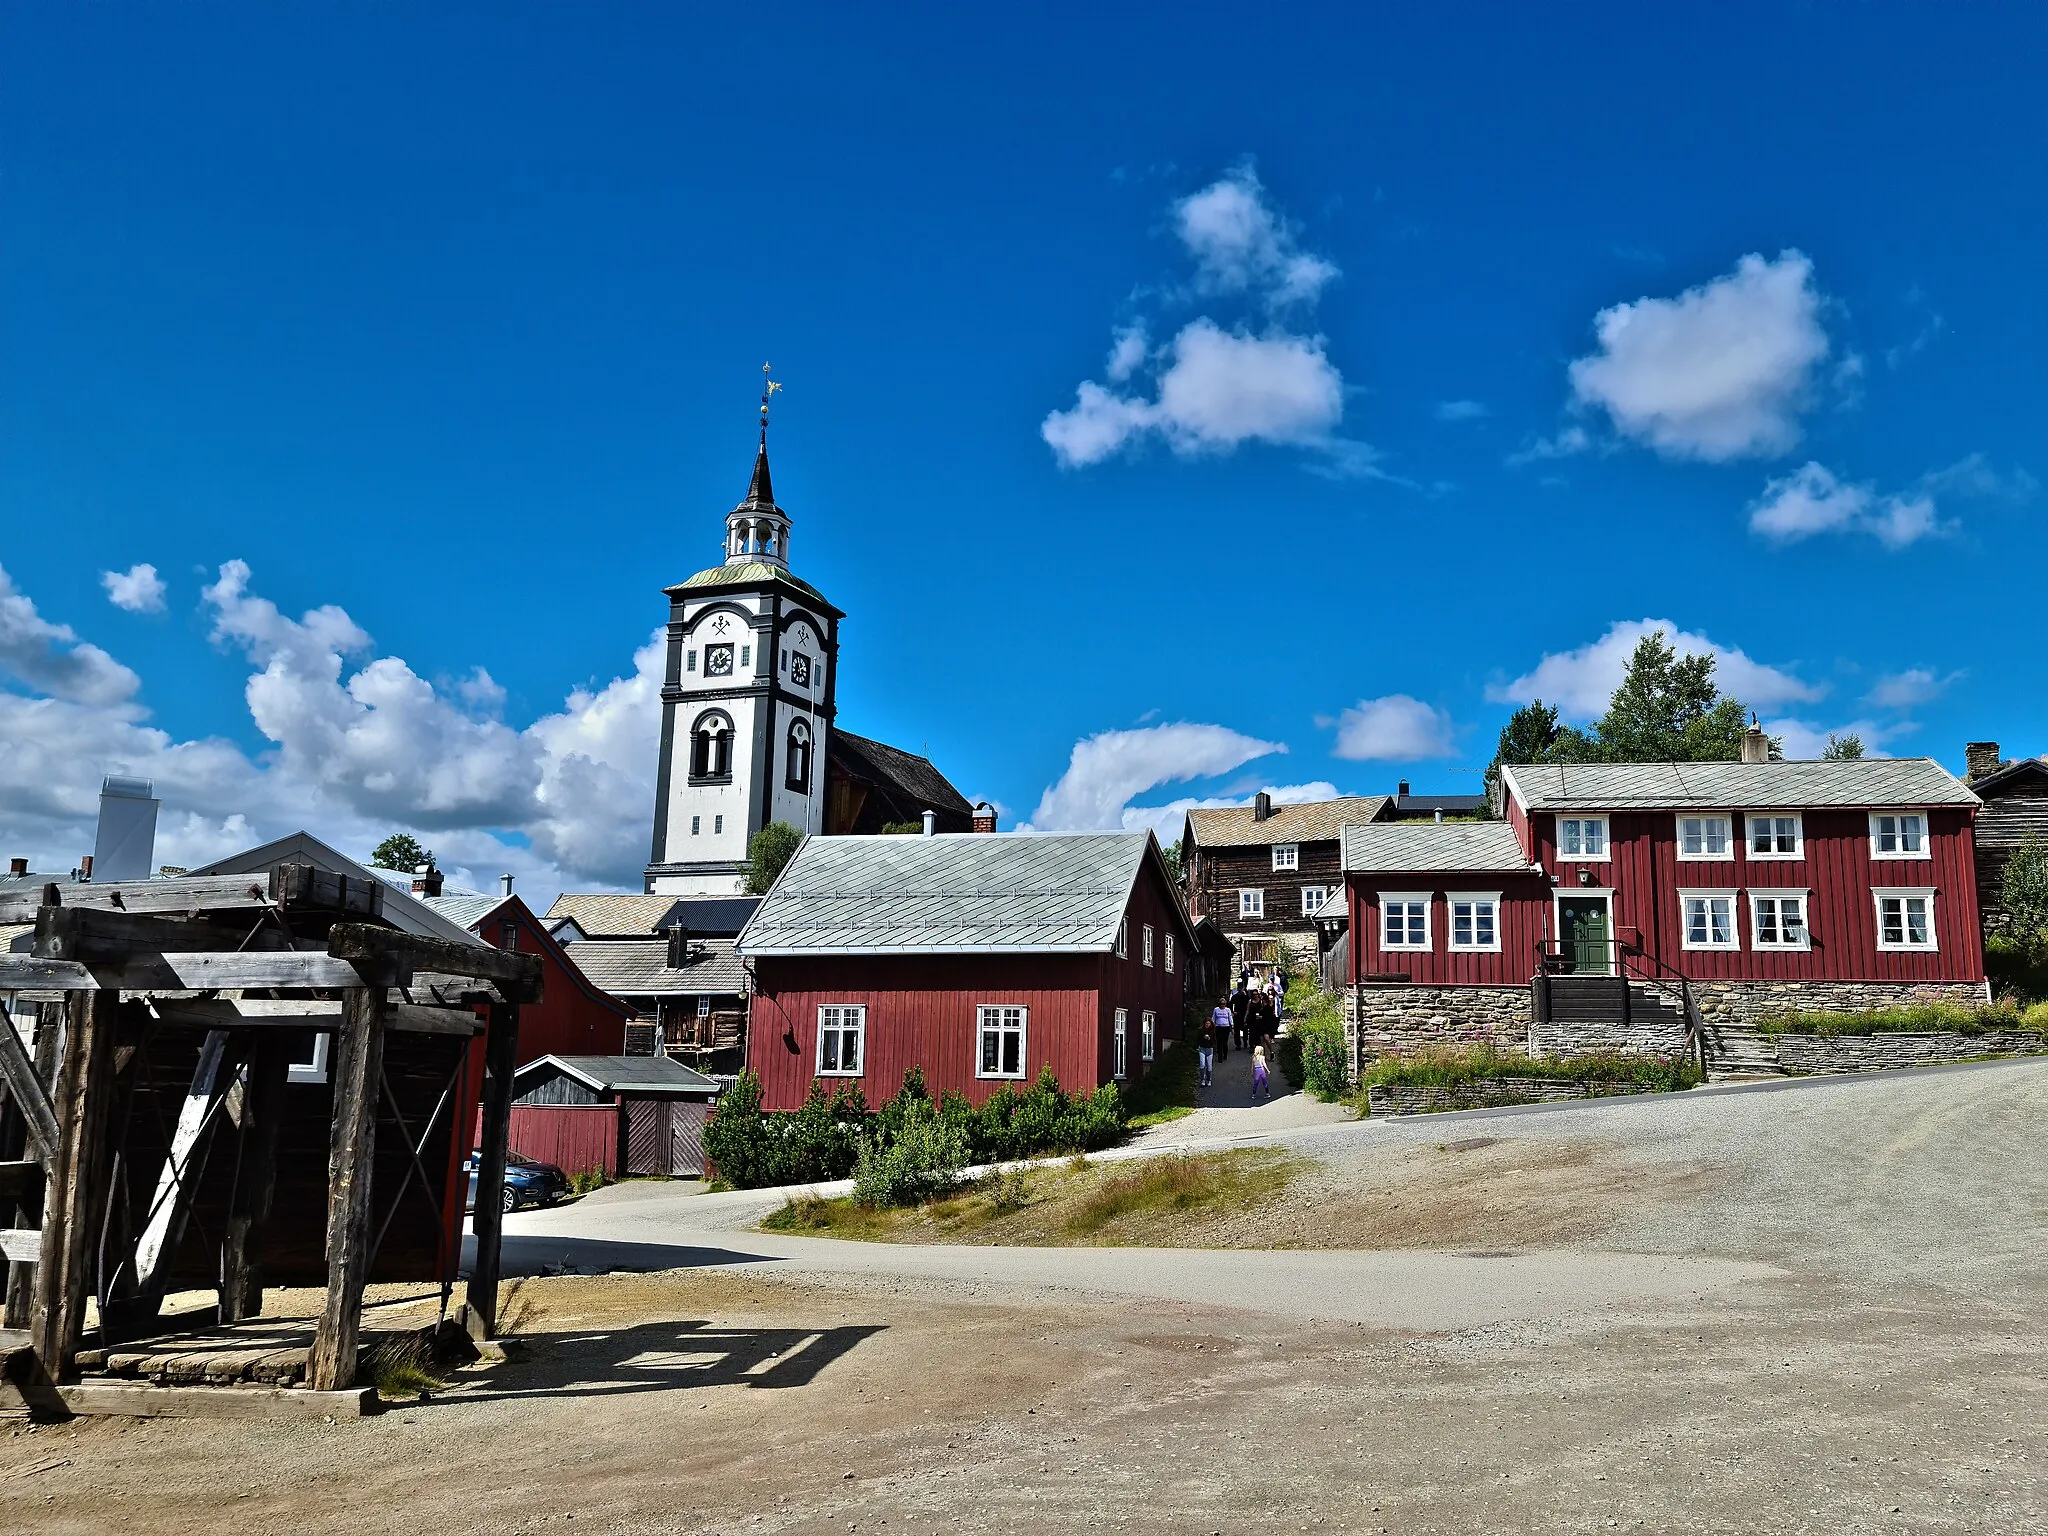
(1521, 928)
(1130, 984)
(1646, 875)
(572, 1018)
(574, 1137)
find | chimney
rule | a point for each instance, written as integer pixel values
(1401, 789)
(1980, 760)
(931, 823)
(1262, 806)
(17, 866)
(678, 947)
(85, 867)
(426, 881)
(505, 883)
(1756, 746)
(124, 848)
(984, 817)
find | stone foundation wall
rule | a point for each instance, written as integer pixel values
(1744, 1002)
(1391, 1018)
(1874, 1053)
(1486, 1095)
(1559, 1038)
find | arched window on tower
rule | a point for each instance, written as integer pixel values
(799, 757)
(711, 748)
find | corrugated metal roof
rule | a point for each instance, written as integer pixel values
(622, 1074)
(609, 916)
(640, 968)
(1334, 905)
(952, 893)
(1428, 846)
(1313, 821)
(465, 911)
(1868, 781)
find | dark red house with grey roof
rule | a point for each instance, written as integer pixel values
(979, 958)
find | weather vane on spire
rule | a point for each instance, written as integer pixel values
(768, 388)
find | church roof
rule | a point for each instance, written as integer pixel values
(752, 573)
(760, 493)
(912, 776)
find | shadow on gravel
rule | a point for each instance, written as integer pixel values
(540, 1255)
(666, 1357)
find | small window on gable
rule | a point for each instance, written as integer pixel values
(1899, 835)
(1775, 835)
(1251, 903)
(1148, 943)
(1705, 837)
(1123, 939)
(1287, 856)
(1582, 837)
(1169, 953)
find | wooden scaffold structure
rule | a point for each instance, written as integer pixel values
(236, 1082)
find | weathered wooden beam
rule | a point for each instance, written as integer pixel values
(139, 1399)
(25, 1089)
(28, 1208)
(309, 1013)
(323, 890)
(85, 1084)
(20, 1245)
(355, 1070)
(285, 970)
(25, 1383)
(261, 1112)
(501, 1055)
(516, 975)
(102, 936)
(185, 895)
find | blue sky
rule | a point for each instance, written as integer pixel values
(1422, 352)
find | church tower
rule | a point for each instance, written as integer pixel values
(747, 701)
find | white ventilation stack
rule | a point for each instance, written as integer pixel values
(125, 846)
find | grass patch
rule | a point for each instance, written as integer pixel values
(1476, 1066)
(401, 1368)
(1166, 1091)
(1175, 1185)
(588, 1181)
(1923, 1018)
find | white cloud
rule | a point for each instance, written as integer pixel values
(1241, 245)
(361, 746)
(1461, 410)
(1167, 820)
(138, 589)
(1566, 443)
(1813, 500)
(1222, 389)
(1111, 769)
(1580, 682)
(50, 658)
(1720, 372)
(1219, 384)
(1394, 729)
(1910, 688)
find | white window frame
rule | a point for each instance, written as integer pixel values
(1286, 856)
(1606, 841)
(1148, 1035)
(1169, 954)
(990, 1017)
(1734, 943)
(1322, 894)
(1408, 897)
(1451, 900)
(1926, 835)
(1148, 943)
(1120, 1068)
(1727, 820)
(859, 1026)
(1251, 901)
(311, 1070)
(1781, 894)
(1878, 896)
(1123, 938)
(1751, 818)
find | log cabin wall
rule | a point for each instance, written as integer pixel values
(1219, 873)
(2014, 809)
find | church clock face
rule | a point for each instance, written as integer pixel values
(800, 670)
(718, 661)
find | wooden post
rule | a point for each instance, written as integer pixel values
(355, 1070)
(72, 1197)
(241, 1267)
(501, 1055)
(27, 1209)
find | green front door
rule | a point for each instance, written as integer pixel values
(1583, 931)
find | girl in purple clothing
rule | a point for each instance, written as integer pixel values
(1261, 1087)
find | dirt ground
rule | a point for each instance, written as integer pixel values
(1885, 1376)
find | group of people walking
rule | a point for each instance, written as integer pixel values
(1248, 1017)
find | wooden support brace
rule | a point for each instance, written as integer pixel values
(102, 936)
(501, 1055)
(262, 1111)
(224, 971)
(303, 886)
(355, 1071)
(25, 1088)
(183, 896)
(71, 1202)
(28, 1207)
(516, 975)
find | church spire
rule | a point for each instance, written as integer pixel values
(757, 530)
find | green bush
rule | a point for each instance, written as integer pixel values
(921, 1161)
(2018, 970)
(737, 1141)
(1317, 1023)
(1464, 1066)
(1923, 1018)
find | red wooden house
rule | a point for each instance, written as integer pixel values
(979, 958)
(1613, 897)
(574, 1016)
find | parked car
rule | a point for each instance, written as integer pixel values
(526, 1182)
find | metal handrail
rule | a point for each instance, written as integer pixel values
(1645, 965)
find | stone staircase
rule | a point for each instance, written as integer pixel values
(1607, 1012)
(1737, 1052)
